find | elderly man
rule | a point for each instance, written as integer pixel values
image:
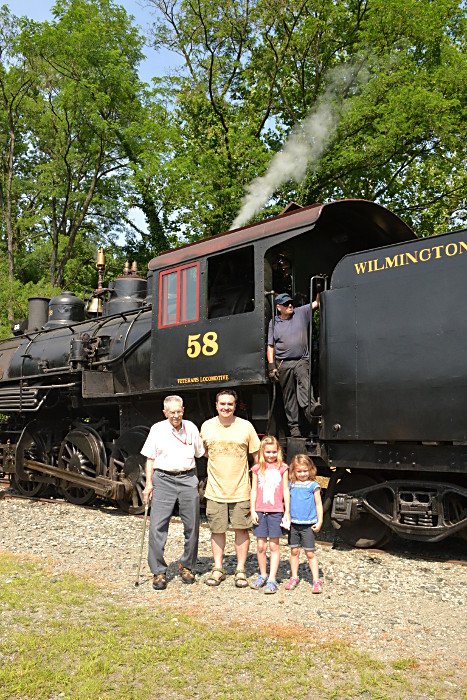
(170, 451)
(287, 355)
(228, 440)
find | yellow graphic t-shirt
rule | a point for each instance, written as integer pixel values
(228, 448)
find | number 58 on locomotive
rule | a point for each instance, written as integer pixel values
(80, 384)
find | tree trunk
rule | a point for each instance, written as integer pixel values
(74, 227)
(5, 193)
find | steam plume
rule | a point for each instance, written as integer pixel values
(302, 150)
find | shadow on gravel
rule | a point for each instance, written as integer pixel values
(448, 550)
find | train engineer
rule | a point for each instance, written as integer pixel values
(229, 440)
(287, 355)
(170, 450)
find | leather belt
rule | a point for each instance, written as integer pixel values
(183, 471)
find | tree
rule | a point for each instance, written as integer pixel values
(16, 86)
(70, 99)
(90, 94)
(401, 143)
(393, 73)
(145, 145)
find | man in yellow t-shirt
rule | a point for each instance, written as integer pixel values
(228, 440)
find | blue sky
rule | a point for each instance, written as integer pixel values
(156, 63)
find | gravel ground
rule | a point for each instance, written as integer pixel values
(404, 601)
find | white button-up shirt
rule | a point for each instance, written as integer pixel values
(173, 450)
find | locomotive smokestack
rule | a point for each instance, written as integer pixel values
(38, 312)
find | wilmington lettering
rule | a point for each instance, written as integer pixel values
(416, 256)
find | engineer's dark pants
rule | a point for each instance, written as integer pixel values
(293, 379)
(168, 489)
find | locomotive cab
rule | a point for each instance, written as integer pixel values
(213, 300)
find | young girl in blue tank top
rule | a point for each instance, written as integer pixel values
(306, 518)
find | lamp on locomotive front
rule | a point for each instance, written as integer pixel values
(95, 307)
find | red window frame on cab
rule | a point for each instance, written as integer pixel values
(165, 320)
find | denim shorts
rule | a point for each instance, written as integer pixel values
(269, 525)
(301, 535)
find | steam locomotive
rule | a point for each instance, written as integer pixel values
(79, 388)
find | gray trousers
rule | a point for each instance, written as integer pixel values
(293, 379)
(168, 489)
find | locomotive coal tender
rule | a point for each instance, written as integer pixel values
(80, 388)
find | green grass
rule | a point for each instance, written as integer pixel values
(62, 637)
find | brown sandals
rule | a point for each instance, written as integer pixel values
(214, 580)
(241, 580)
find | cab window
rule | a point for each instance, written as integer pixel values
(179, 295)
(231, 283)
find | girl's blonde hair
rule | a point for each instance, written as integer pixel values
(269, 440)
(302, 461)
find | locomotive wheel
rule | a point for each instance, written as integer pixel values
(31, 446)
(29, 488)
(129, 462)
(455, 510)
(81, 452)
(367, 531)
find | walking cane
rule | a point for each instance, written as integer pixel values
(142, 542)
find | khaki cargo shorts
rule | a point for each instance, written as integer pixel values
(219, 515)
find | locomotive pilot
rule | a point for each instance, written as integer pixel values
(288, 356)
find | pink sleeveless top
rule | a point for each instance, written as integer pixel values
(270, 493)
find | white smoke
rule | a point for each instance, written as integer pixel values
(302, 150)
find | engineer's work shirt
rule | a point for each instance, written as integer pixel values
(173, 450)
(290, 337)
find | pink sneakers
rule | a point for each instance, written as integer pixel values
(291, 583)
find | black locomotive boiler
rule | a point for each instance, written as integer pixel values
(79, 394)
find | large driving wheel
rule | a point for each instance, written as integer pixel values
(129, 464)
(32, 445)
(81, 452)
(32, 489)
(367, 531)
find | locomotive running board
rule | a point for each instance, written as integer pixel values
(102, 486)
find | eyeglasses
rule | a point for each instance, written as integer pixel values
(290, 303)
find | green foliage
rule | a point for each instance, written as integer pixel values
(66, 172)
(87, 60)
(254, 71)
(401, 138)
(15, 294)
(83, 141)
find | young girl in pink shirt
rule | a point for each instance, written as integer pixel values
(270, 503)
